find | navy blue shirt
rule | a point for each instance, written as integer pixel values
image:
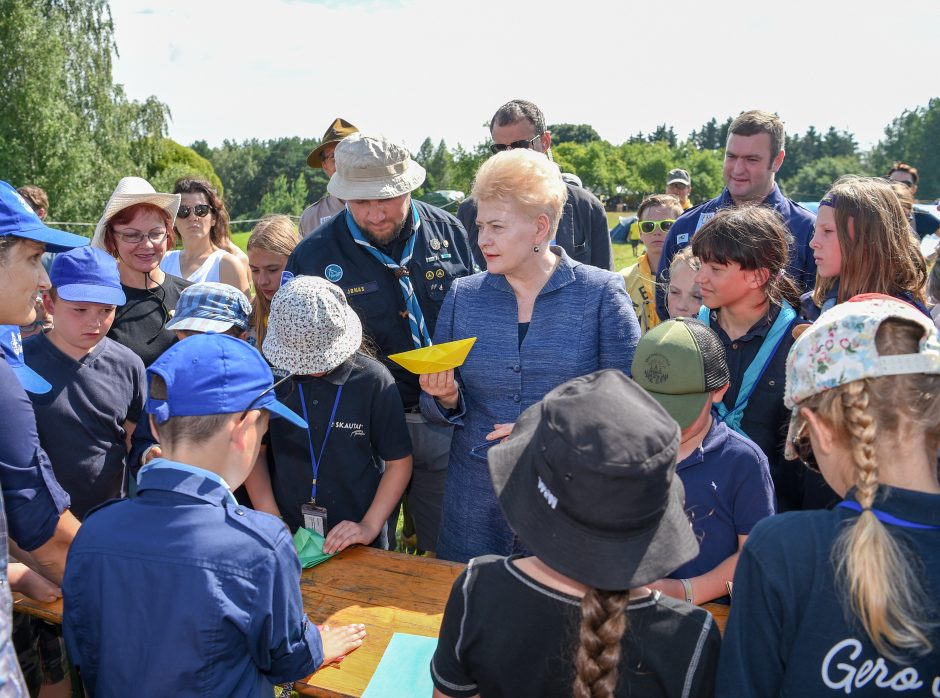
(727, 491)
(799, 222)
(181, 591)
(368, 429)
(790, 632)
(441, 254)
(81, 420)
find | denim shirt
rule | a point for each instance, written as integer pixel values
(181, 591)
(799, 222)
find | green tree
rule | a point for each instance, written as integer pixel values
(815, 178)
(572, 133)
(174, 161)
(285, 197)
(914, 138)
(64, 124)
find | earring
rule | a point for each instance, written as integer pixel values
(535, 249)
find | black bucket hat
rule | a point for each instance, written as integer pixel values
(587, 480)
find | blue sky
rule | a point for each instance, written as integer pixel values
(440, 68)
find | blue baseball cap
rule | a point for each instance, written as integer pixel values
(210, 374)
(210, 306)
(87, 274)
(18, 218)
(13, 354)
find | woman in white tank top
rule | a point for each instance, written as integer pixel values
(199, 223)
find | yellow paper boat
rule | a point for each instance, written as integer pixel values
(439, 357)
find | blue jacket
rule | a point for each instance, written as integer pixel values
(799, 221)
(583, 320)
(180, 591)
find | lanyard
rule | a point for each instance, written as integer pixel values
(165, 464)
(313, 458)
(885, 517)
(756, 368)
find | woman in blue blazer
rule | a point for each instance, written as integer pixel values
(540, 319)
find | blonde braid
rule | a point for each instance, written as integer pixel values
(597, 661)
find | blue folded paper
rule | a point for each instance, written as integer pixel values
(405, 668)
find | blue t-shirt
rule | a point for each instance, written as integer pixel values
(790, 633)
(179, 591)
(81, 420)
(727, 491)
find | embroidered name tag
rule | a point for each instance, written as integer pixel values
(369, 287)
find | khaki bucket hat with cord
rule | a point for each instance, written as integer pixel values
(373, 167)
(338, 130)
(131, 191)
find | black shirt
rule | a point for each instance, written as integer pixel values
(441, 253)
(140, 324)
(369, 428)
(505, 634)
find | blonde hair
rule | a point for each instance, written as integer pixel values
(881, 579)
(526, 178)
(883, 256)
(274, 233)
(597, 658)
(684, 256)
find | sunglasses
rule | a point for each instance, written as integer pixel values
(804, 449)
(907, 183)
(201, 210)
(500, 147)
(650, 226)
(264, 392)
(155, 236)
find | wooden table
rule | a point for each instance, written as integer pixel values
(388, 592)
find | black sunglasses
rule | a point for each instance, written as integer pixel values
(201, 210)
(804, 449)
(264, 392)
(500, 147)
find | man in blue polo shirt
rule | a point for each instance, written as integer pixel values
(395, 259)
(728, 489)
(31, 501)
(753, 155)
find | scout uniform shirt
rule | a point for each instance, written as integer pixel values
(642, 289)
(441, 254)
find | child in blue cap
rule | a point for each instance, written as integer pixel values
(181, 590)
(86, 420)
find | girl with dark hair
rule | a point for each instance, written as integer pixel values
(863, 244)
(845, 601)
(597, 501)
(202, 223)
(750, 302)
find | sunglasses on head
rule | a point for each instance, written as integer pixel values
(650, 226)
(500, 147)
(201, 210)
(804, 449)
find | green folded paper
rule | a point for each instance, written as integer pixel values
(309, 545)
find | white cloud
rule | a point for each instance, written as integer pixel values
(440, 68)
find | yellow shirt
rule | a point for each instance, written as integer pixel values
(687, 205)
(641, 286)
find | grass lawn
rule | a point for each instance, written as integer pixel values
(241, 239)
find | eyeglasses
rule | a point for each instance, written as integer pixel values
(650, 226)
(500, 147)
(804, 449)
(155, 236)
(264, 392)
(201, 210)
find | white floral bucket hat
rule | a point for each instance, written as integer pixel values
(840, 348)
(311, 328)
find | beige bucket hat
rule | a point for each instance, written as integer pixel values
(129, 192)
(372, 167)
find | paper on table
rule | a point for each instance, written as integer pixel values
(404, 670)
(438, 357)
(309, 545)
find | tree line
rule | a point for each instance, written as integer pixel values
(66, 127)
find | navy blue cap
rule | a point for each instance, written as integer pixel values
(18, 218)
(210, 374)
(13, 354)
(87, 274)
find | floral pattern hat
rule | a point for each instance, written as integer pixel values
(840, 348)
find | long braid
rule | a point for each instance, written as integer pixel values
(597, 661)
(882, 585)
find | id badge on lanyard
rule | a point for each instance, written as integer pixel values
(315, 516)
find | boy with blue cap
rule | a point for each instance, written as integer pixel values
(225, 616)
(86, 420)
